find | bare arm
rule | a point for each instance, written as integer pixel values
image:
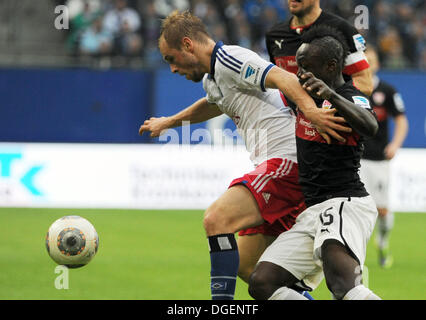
(199, 111)
(399, 135)
(363, 80)
(325, 121)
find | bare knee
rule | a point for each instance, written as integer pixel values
(260, 288)
(215, 221)
(338, 286)
(342, 272)
(267, 278)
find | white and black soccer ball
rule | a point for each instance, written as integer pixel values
(72, 241)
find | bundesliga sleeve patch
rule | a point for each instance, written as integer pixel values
(361, 101)
(251, 73)
(359, 42)
(399, 103)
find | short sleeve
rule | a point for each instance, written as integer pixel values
(245, 68)
(356, 60)
(395, 103)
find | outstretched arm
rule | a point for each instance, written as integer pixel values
(360, 119)
(324, 120)
(199, 111)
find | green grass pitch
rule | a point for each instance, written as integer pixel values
(163, 255)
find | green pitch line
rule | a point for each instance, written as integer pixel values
(164, 255)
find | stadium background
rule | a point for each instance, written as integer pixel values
(69, 144)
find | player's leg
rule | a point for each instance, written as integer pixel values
(236, 209)
(384, 226)
(270, 281)
(343, 273)
(341, 244)
(250, 248)
(287, 265)
(375, 176)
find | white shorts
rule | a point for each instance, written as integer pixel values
(348, 220)
(375, 176)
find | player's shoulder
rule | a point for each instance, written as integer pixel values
(337, 21)
(230, 58)
(355, 40)
(278, 29)
(236, 56)
(353, 94)
(385, 87)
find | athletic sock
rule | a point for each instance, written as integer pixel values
(385, 225)
(360, 292)
(285, 293)
(225, 259)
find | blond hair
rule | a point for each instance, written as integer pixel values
(178, 25)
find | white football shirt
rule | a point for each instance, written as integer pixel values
(237, 86)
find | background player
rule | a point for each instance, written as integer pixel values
(236, 82)
(331, 235)
(387, 103)
(283, 40)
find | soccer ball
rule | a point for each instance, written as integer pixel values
(72, 241)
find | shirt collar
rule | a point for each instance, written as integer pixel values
(213, 58)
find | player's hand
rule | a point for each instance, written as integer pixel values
(327, 124)
(390, 151)
(314, 86)
(157, 126)
(324, 120)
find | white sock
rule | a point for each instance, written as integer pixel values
(285, 293)
(360, 292)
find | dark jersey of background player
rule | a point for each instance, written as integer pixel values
(386, 103)
(282, 42)
(330, 170)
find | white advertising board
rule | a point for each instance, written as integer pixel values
(117, 176)
(153, 176)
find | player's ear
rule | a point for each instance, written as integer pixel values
(187, 44)
(332, 65)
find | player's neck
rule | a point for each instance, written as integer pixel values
(307, 19)
(205, 54)
(337, 82)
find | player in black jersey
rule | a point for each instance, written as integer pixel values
(283, 40)
(331, 235)
(375, 165)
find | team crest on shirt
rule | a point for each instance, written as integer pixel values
(378, 98)
(326, 104)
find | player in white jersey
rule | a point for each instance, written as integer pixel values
(262, 203)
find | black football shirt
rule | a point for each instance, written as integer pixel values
(330, 170)
(387, 103)
(282, 42)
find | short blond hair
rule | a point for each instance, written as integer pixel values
(183, 24)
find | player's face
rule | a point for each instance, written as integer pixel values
(301, 7)
(182, 62)
(308, 62)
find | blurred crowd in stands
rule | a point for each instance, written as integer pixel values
(130, 28)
